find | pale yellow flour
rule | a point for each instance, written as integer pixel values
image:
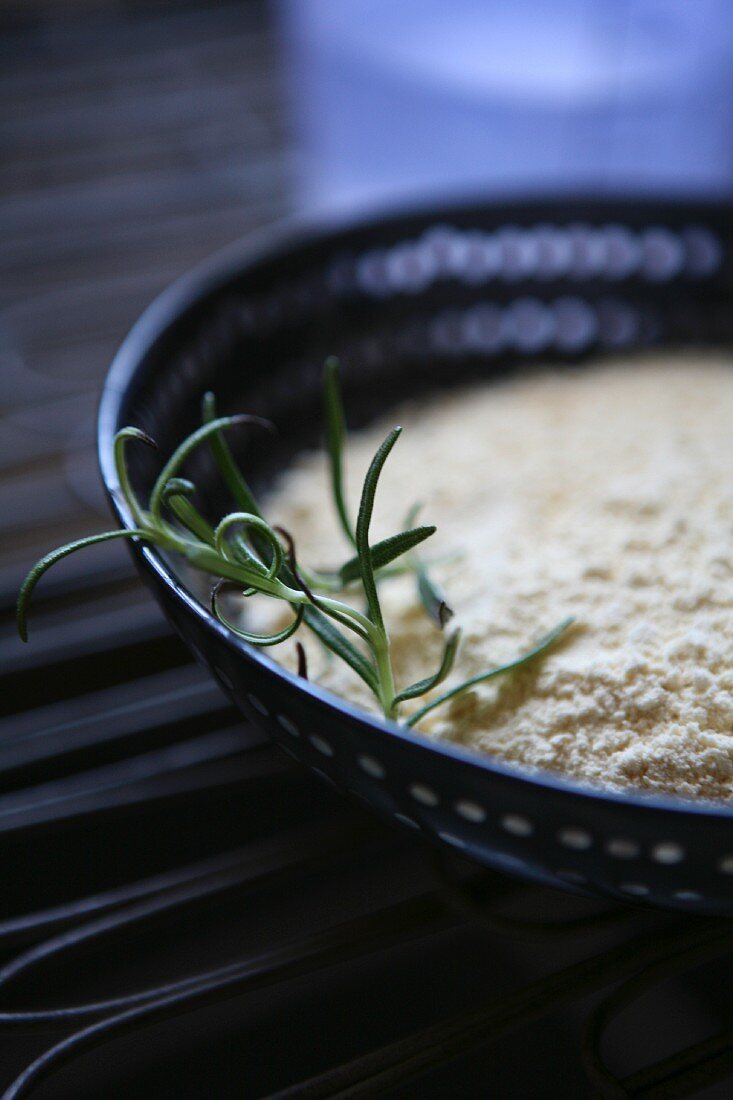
(606, 494)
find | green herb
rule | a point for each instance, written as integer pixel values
(541, 647)
(385, 552)
(245, 550)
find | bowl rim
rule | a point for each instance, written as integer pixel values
(213, 273)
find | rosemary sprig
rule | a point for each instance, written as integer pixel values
(244, 549)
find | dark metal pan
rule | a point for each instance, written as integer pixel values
(412, 302)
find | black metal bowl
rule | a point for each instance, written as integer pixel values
(411, 302)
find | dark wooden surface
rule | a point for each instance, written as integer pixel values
(136, 140)
(147, 835)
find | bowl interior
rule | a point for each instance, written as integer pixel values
(410, 304)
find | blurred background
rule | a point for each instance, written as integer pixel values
(421, 98)
(136, 138)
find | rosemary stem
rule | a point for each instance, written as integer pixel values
(372, 632)
(386, 676)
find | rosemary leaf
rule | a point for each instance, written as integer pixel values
(175, 495)
(432, 597)
(384, 552)
(482, 677)
(35, 574)
(339, 644)
(260, 640)
(430, 594)
(119, 447)
(184, 449)
(422, 686)
(243, 553)
(228, 468)
(362, 526)
(335, 437)
(264, 531)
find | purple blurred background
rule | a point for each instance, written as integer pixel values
(420, 98)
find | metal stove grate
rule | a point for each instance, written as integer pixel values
(183, 912)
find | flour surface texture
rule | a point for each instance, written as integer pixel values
(604, 493)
